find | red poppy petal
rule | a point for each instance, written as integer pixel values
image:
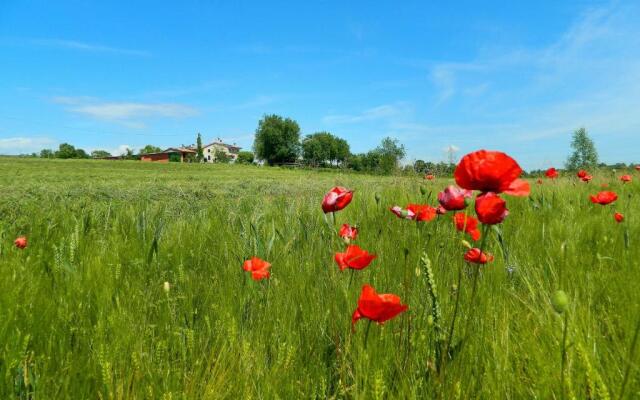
(519, 187)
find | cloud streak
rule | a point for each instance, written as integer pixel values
(23, 144)
(89, 47)
(129, 114)
(384, 111)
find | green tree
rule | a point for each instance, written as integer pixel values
(245, 157)
(420, 166)
(277, 140)
(65, 151)
(391, 152)
(128, 154)
(220, 156)
(100, 154)
(46, 153)
(148, 149)
(323, 147)
(200, 154)
(584, 153)
(81, 154)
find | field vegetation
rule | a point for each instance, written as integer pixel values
(131, 287)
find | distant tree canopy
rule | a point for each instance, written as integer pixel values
(277, 140)
(65, 151)
(148, 149)
(245, 157)
(100, 154)
(584, 153)
(384, 159)
(323, 147)
(47, 153)
(199, 149)
(221, 157)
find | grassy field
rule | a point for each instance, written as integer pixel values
(84, 313)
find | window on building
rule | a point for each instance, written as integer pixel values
(209, 157)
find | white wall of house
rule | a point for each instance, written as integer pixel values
(209, 152)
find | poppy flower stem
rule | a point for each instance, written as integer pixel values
(351, 277)
(563, 360)
(476, 273)
(366, 334)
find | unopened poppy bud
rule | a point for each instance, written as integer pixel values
(466, 244)
(560, 301)
(166, 287)
(377, 197)
(423, 190)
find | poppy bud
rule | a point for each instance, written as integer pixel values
(377, 197)
(430, 320)
(423, 190)
(337, 199)
(166, 287)
(466, 244)
(560, 301)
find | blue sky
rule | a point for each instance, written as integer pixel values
(511, 76)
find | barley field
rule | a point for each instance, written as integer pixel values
(132, 287)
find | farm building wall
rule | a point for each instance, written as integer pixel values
(159, 157)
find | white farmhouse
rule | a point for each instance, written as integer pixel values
(210, 150)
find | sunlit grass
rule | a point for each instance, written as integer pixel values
(84, 313)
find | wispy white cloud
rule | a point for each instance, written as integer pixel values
(90, 47)
(23, 144)
(129, 114)
(384, 111)
(531, 98)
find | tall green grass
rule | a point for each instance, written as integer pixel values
(83, 313)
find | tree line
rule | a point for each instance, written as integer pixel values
(278, 141)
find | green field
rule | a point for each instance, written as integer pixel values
(83, 312)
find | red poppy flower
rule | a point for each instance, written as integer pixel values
(402, 213)
(468, 224)
(618, 217)
(637, 167)
(21, 242)
(354, 258)
(337, 199)
(259, 268)
(491, 208)
(551, 173)
(604, 198)
(488, 171)
(454, 198)
(377, 307)
(429, 177)
(625, 178)
(478, 257)
(348, 232)
(584, 176)
(422, 212)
